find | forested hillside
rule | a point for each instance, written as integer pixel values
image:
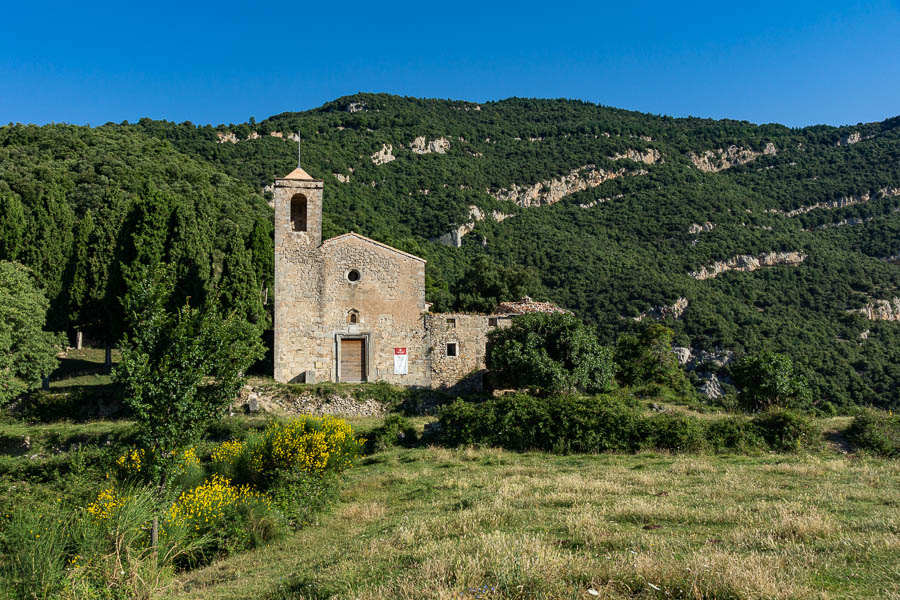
(739, 237)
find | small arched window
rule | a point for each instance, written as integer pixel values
(353, 317)
(298, 212)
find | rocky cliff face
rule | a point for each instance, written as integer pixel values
(552, 191)
(704, 228)
(651, 156)
(421, 146)
(594, 203)
(384, 156)
(673, 311)
(842, 202)
(454, 236)
(746, 262)
(231, 138)
(720, 159)
(882, 310)
(851, 138)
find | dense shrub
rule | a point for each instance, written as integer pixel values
(677, 432)
(647, 359)
(554, 352)
(585, 424)
(733, 434)
(304, 444)
(396, 430)
(877, 432)
(770, 380)
(785, 430)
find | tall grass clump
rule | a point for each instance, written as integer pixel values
(241, 495)
(102, 550)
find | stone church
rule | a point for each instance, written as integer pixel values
(353, 309)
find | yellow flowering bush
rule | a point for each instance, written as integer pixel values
(132, 460)
(208, 502)
(187, 459)
(227, 451)
(107, 503)
(307, 445)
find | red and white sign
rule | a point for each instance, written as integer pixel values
(401, 361)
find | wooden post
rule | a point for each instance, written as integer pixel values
(154, 533)
(107, 362)
(45, 383)
(78, 339)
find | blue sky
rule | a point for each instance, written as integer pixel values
(796, 63)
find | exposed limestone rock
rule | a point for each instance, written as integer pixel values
(454, 236)
(384, 156)
(842, 222)
(712, 388)
(893, 259)
(254, 135)
(864, 335)
(852, 138)
(438, 146)
(552, 191)
(849, 139)
(746, 262)
(594, 203)
(717, 358)
(682, 354)
(842, 202)
(711, 161)
(697, 228)
(226, 137)
(277, 134)
(651, 156)
(882, 310)
(665, 312)
(356, 107)
(341, 177)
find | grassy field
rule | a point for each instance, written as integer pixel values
(442, 524)
(438, 523)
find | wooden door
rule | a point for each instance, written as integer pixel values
(353, 360)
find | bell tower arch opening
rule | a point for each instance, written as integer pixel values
(299, 212)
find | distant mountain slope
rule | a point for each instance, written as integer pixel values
(755, 235)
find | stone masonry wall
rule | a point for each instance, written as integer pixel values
(389, 300)
(464, 371)
(298, 280)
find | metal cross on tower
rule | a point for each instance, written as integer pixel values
(298, 148)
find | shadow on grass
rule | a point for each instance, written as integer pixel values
(304, 587)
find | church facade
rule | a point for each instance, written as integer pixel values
(353, 309)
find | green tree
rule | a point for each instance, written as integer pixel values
(179, 369)
(260, 246)
(239, 293)
(486, 283)
(80, 288)
(27, 352)
(648, 358)
(12, 226)
(553, 352)
(768, 379)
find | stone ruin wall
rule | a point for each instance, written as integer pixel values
(464, 371)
